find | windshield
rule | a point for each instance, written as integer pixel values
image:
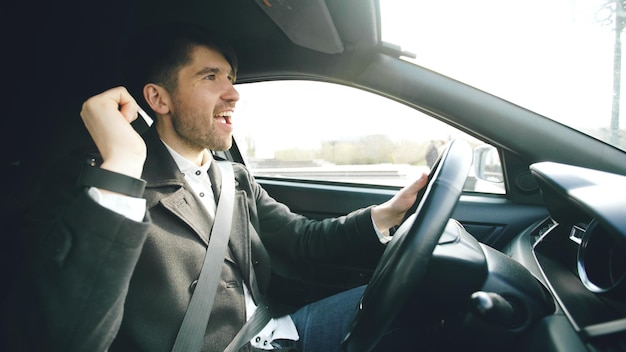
(559, 58)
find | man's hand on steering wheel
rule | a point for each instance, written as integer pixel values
(393, 211)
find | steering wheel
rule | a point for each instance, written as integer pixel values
(405, 260)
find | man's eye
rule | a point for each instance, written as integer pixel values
(210, 77)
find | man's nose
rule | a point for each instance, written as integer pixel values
(231, 93)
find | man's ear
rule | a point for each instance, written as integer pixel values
(157, 97)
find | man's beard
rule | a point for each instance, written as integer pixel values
(193, 134)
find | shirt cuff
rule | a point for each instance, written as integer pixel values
(282, 328)
(383, 237)
(130, 207)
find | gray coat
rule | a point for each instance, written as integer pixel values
(103, 281)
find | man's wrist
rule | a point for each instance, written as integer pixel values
(382, 219)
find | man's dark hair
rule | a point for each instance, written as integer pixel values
(156, 54)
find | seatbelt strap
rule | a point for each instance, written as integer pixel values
(253, 326)
(193, 327)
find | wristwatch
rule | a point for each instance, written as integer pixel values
(94, 176)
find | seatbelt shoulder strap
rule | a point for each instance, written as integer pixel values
(193, 327)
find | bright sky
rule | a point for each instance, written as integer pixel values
(550, 56)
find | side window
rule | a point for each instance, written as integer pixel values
(327, 132)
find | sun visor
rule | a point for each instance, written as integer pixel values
(306, 23)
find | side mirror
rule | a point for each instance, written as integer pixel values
(487, 166)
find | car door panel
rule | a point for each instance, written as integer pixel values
(493, 220)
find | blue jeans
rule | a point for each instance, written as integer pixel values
(322, 325)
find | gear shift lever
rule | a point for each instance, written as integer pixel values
(495, 309)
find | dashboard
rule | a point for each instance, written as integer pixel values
(579, 252)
